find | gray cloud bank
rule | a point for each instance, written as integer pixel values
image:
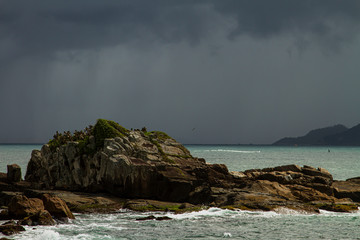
(236, 71)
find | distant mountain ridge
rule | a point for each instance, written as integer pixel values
(337, 135)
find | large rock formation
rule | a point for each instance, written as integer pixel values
(151, 165)
(132, 164)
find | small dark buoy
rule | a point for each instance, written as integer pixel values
(328, 150)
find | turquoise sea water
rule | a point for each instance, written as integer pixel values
(342, 162)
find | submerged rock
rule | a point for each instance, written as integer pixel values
(10, 228)
(152, 217)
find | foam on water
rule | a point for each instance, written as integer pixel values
(215, 223)
(224, 213)
(232, 151)
(38, 233)
(212, 223)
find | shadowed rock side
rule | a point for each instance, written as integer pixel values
(151, 165)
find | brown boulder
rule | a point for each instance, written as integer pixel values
(42, 217)
(20, 206)
(56, 206)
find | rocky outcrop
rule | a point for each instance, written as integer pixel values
(289, 185)
(138, 164)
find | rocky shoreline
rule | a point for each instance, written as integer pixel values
(108, 167)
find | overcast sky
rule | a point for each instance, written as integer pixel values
(228, 71)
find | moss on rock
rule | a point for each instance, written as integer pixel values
(158, 135)
(107, 129)
(103, 129)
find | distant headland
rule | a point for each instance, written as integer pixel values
(337, 135)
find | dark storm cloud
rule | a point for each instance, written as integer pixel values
(236, 71)
(45, 26)
(35, 27)
(268, 18)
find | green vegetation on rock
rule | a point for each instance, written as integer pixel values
(158, 135)
(107, 129)
(175, 207)
(103, 129)
(96, 208)
(78, 136)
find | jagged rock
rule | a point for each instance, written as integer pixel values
(134, 165)
(13, 173)
(57, 207)
(20, 206)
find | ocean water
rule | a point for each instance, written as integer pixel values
(342, 162)
(214, 223)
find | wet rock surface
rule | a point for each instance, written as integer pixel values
(10, 228)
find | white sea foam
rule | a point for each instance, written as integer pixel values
(231, 151)
(288, 211)
(38, 234)
(340, 214)
(218, 212)
(200, 214)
